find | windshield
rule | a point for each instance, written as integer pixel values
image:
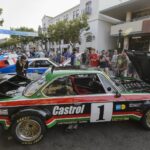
(34, 86)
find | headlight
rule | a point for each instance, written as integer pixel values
(3, 111)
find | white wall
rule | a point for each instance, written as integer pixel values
(109, 3)
(62, 16)
(45, 21)
(99, 28)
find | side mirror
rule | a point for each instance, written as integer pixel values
(117, 95)
(109, 89)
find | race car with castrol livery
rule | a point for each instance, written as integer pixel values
(73, 97)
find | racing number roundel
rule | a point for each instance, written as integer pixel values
(101, 112)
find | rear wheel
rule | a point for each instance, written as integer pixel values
(28, 129)
(146, 120)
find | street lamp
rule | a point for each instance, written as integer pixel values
(120, 40)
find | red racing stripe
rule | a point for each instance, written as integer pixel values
(74, 99)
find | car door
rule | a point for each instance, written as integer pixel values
(97, 99)
(61, 94)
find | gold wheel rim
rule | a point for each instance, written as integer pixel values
(28, 130)
(148, 118)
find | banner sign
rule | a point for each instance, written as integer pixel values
(19, 33)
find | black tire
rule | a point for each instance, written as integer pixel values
(146, 120)
(28, 136)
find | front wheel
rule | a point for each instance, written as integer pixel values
(146, 120)
(28, 129)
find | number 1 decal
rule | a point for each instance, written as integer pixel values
(101, 112)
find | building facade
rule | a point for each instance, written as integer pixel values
(134, 26)
(98, 35)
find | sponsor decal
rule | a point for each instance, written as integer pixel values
(147, 102)
(62, 110)
(135, 105)
(67, 119)
(126, 116)
(121, 107)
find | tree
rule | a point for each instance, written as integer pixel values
(14, 39)
(1, 21)
(58, 32)
(9, 42)
(75, 27)
(23, 39)
(69, 31)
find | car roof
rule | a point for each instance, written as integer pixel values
(60, 73)
(34, 59)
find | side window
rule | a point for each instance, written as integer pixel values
(32, 64)
(45, 63)
(37, 64)
(60, 87)
(85, 84)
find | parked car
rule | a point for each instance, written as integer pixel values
(40, 65)
(36, 65)
(72, 96)
(7, 63)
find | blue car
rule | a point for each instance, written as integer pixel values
(36, 65)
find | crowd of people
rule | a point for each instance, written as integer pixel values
(112, 63)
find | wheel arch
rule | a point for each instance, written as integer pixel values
(145, 108)
(42, 113)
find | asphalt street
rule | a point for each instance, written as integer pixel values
(103, 136)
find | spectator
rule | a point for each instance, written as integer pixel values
(105, 62)
(22, 66)
(93, 58)
(66, 54)
(73, 57)
(84, 58)
(122, 64)
(58, 57)
(114, 62)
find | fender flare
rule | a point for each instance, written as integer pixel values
(145, 107)
(44, 114)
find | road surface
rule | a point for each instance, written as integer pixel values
(103, 136)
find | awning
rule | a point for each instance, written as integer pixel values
(119, 11)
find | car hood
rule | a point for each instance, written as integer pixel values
(141, 62)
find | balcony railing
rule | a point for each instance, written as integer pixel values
(127, 28)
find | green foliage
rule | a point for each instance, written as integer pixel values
(14, 39)
(23, 39)
(69, 31)
(74, 28)
(9, 42)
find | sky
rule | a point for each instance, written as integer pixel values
(29, 13)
